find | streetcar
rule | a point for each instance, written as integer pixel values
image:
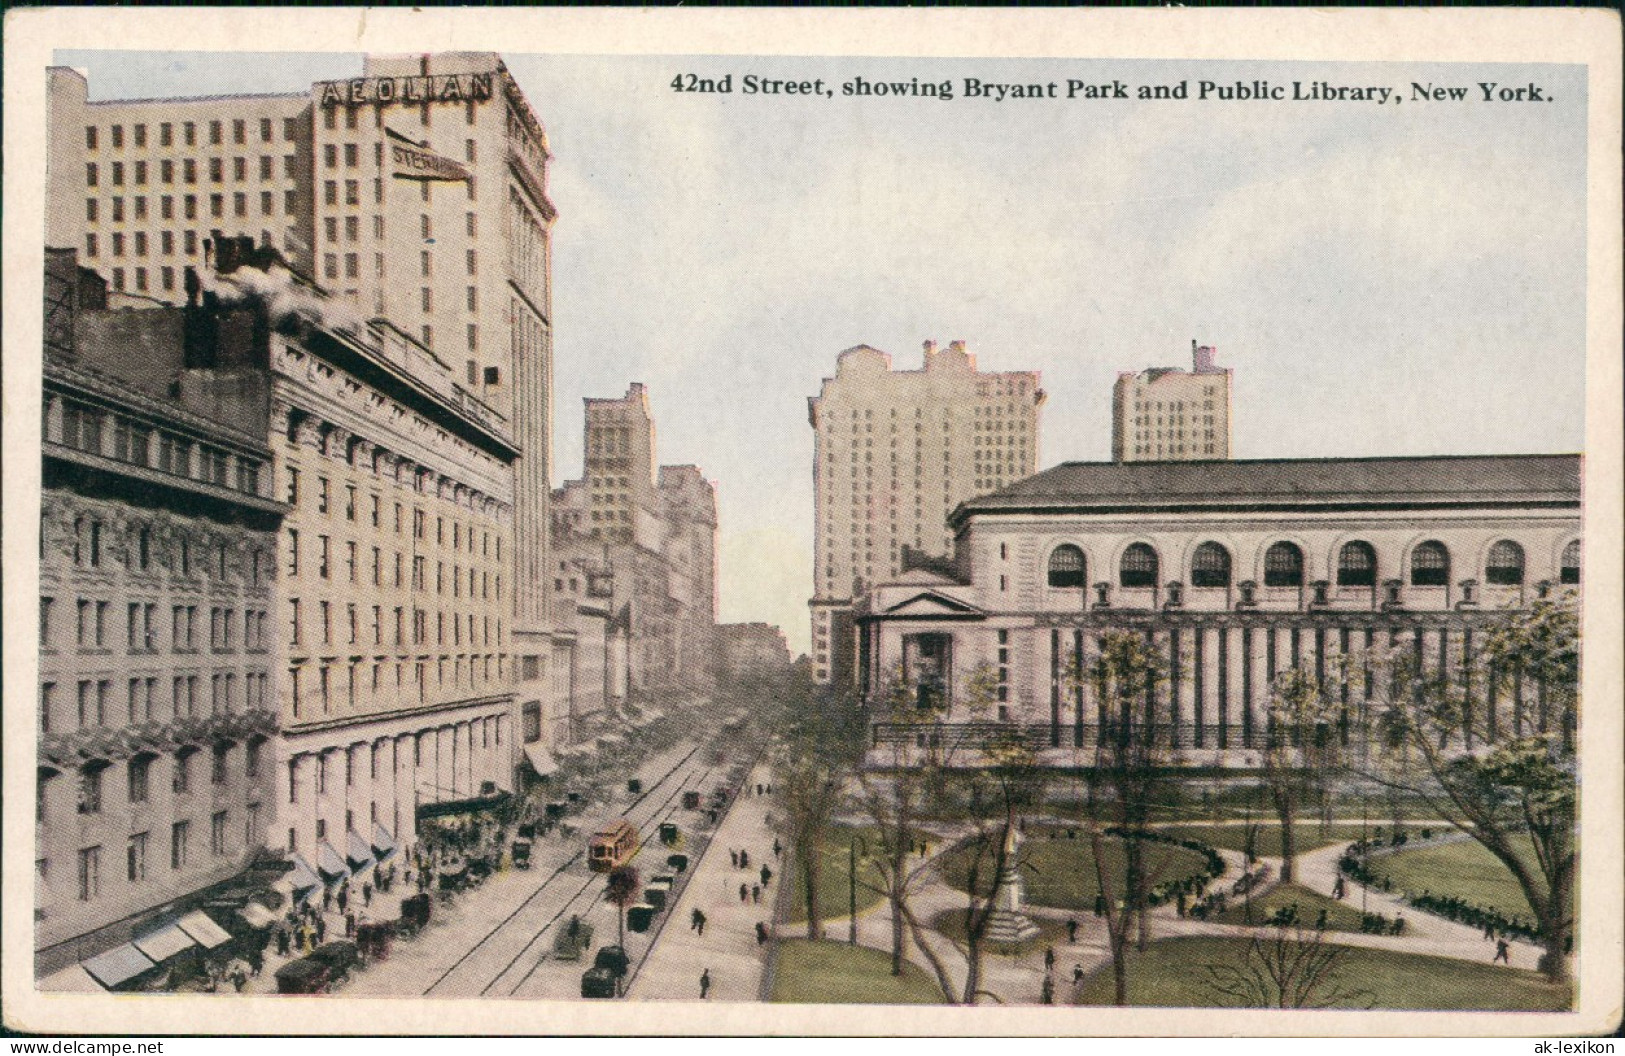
(612, 846)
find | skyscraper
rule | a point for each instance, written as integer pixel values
(1167, 415)
(894, 453)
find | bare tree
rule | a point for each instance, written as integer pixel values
(1286, 969)
(819, 747)
(1509, 782)
(1301, 748)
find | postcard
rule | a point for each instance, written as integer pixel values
(1076, 522)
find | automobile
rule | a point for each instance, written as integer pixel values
(677, 862)
(640, 917)
(521, 854)
(304, 976)
(613, 959)
(572, 940)
(598, 982)
(340, 956)
(691, 800)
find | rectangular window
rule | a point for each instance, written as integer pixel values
(180, 835)
(90, 872)
(217, 833)
(135, 856)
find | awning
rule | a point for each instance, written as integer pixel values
(609, 740)
(359, 851)
(202, 927)
(541, 760)
(257, 915)
(329, 864)
(303, 877)
(70, 980)
(383, 844)
(164, 943)
(118, 965)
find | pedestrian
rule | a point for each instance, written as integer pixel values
(1071, 930)
(321, 930)
(694, 919)
(1077, 974)
(284, 942)
(758, 788)
(366, 894)
(1503, 952)
(733, 856)
(705, 983)
(744, 859)
(702, 923)
(767, 874)
(756, 893)
(744, 893)
(1049, 958)
(256, 961)
(1100, 905)
(1489, 930)
(344, 899)
(761, 933)
(327, 899)
(349, 925)
(1046, 993)
(238, 979)
(778, 848)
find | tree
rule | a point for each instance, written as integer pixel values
(621, 889)
(1301, 745)
(1129, 752)
(1282, 970)
(1512, 789)
(821, 743)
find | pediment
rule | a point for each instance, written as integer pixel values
(931, 603)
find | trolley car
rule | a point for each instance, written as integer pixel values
(612, 846)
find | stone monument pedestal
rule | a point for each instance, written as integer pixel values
(1009, 924)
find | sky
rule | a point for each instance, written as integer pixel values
(1385, 279)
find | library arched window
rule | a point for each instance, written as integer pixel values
(1067, 567)
(1569, 569)
(1210, 566)
(1283, 566)
(1138, 567)
(1430, 565)
(1505, 565)
(1357, 565)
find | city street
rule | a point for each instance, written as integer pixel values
(497, 940)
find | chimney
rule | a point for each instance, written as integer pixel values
(1202, 356)
(930, 350)
(957, 346)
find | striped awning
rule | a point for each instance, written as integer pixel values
(541, 760)
(257, 915)
(118, 965)
(329, 864)
(202, 928)
(164, 943)
(303, 877)
(358, 851)
(383, 843)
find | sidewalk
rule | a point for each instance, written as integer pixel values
(728, 949)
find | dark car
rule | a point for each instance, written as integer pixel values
(598, 982)
(612, 959)
(304, 976)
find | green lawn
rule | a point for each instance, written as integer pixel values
(1309, 835)
(1171, 973)
(834, 892)
(1462, 868)
(834, 973)
(1340, 916)
(1061, 872)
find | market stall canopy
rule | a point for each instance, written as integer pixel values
(164, 943)
(541, 759)
(359, 853)
(118, 965)
(257, 915)
(71, 980)
(383, 843)
(303, 876)
(202, 927)
(329, 864)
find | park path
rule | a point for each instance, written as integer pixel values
(727, 949)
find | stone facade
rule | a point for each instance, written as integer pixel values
(1236, 573)
(1164, 414)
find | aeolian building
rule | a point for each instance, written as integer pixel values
(895, 451)
(1236, 571)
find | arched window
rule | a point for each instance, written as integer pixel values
(1430, 565)
(1066, 567)
(1283, 566)
(1210, 566)
(1357, 565)
(1139, 568)
(1569, 569)
(1505, 565)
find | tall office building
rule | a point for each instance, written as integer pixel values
(894, 453)
(1168, 415)
(417, 192)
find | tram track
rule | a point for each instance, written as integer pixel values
(661, 813)
(545, 884)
